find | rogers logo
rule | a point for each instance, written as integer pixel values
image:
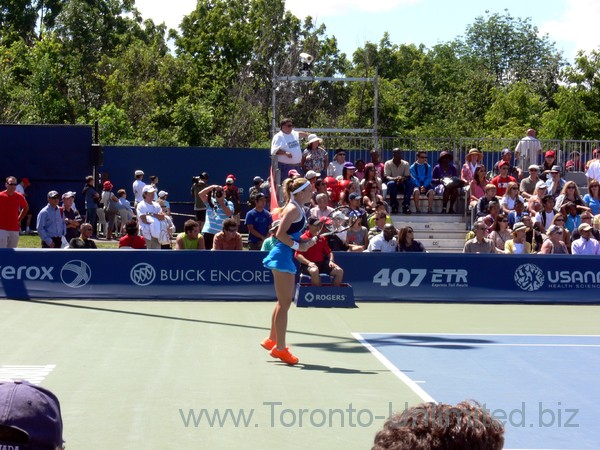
(309, 297)
(142, 274)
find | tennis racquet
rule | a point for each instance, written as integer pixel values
(339, 220)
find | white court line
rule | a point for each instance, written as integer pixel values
(387, 363)
(35, 374)
(482, 334)
(477, 344)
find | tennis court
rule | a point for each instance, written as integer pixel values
(172, 375)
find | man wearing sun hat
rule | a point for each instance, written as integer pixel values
(51, 226)
(30, 417)
(586, 244)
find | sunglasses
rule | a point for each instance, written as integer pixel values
(559, 220)
(11, 184)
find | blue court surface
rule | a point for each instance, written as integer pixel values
(545, 388)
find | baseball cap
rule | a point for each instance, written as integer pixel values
(311, 174)
(259, 196)
(107, 186)
(533, 167)
(68, 194)
(229, 180)
(30, 415)
(232, 176)
(584, 227)
(293, 173)
(541, 184)
(53, 194)
(354, 196)
(25, 181)
(148, 188)
(257, 179)
(555, 169)
(503, 163)
(349, 165)
(139, 172)
(506, 151)
(549, 153)
(162, 194)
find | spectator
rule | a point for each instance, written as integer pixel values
(314, 157)
(190, 239)
(150, 215)
(574, 164)
(360, 169)
(571, 215)
(493, 210)
(318, 258)
(257, 188)
(554, 182)
(377, 164)
(586, 244)
(544, 218)
(354, 204)
(482, 204)
(380, 219)
(506, 157)
(570, 193)
(92, 198)
(132, 239)
(548, 164)
(528, 150)
(478, 186)
(13, 208)
(439, 426)
(348, 175)
(473, 159)
(518, 244)
(125, 211)
(379, 207)
(371, 175)
(164, 195)
(534, 203)
(83, 241)
(385, 241)
(286, 145)
(479, 244)
(500, 233)
(356, 235)
(446, 181)
(270, 242)
(232, 194)
(228, 238)
(258, 221)
(560, 221)
(421, 174)
(138, 187)
(72, 217)
(110, 205)
(51, 225)
(407, 242)
(396, 176)
(370, 197)
(30, 417)
(218, 209)
(507, 202)
(593, 170)
(154, 184)
(529, 183)
(554, 243)
(322, 209)
(532, 236)
(516, 215)
(167, 228)
(312, 176)
(586, 217)
(501, 181)
(592, 198)
(198, 183)
(335, 167)
(21, 187)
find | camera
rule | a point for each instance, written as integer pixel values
(218, 193)
(196, 179)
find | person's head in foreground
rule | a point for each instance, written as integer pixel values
(431, 426)
(30, 417)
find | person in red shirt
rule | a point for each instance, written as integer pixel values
(13, 208)
(132, 239)
(501, 181)
(319, 258)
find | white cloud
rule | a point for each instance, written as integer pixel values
(170, 12)
(577, 27)
(325, 8)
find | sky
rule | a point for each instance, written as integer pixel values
(569, 24)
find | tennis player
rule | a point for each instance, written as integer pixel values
(280, 260)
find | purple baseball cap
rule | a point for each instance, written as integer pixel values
(349, 165)
(30, 416)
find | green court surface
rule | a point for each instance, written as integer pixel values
(191, 375)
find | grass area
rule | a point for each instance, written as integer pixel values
(33, 241)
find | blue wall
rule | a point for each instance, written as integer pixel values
(235, 276)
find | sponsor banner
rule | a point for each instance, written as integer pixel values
(324, 296)
(189, 275)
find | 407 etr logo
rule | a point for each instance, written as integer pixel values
(416, 277)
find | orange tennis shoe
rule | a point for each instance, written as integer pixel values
(284, 355)
(268, 344)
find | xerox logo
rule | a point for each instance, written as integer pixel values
(26, 273)
(142, 274)
(529, 277)
(76, 274)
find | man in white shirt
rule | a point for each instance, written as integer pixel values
(138, 187)
(586, 244)
(528, 150)
(150, 214)
(593, 172)
(286, 145)
(336, 167)
(385, 241)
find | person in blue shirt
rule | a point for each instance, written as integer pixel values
(51, 225)
(420, 172)
(258, 221)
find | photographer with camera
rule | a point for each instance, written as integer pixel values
(198, 183)
(217, 210)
